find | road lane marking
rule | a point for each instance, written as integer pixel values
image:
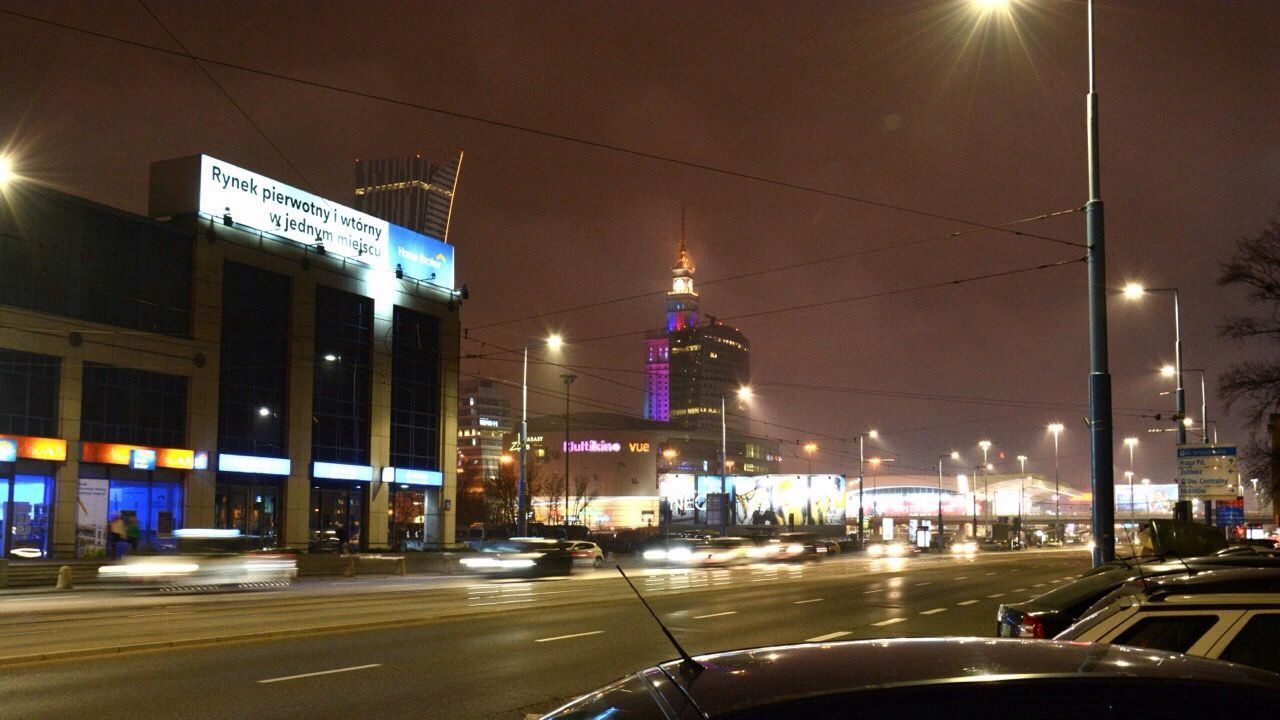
(995, 595)
(963, 577)
(890, 621)
(1038, 585)
(500, 602)
(829, 636)
(934, 611)
(991, 573)
(322, 672)
(1018, 589)
(804, 602)
(566, 637)
(719, 614)
(966, 602)
(1055, 581)
(868, 592)
(922, 584)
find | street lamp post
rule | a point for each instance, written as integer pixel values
(810, 448)
(1022, 491)
(986, 500)
(1056, 429)
(1134, 291)
(1131, 443)
(522, 500)
(744, 393)
(568, 379)
(862, 539)
(1170, 371)
(954, 456)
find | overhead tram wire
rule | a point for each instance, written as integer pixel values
(834, 301)
(767, 271)
(243, 113)
(599, 145)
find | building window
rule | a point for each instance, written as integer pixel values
(341, 405)
(415, 391)
(29, 401)
(134, 407)
(254, 370)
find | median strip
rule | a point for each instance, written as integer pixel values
(322, 672)
(829, 636)
(566, 637)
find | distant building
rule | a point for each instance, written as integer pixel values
(413, 192)
(484, 419)
(690, 367)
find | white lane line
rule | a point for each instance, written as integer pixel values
(829, 636)
(322, 672)
(719, 614)
(922, 584)
(991, 573)
(966, 602)
(868, 592)
(963, 577)
(995, 595)
(805, 602)
(1018, 589)
(934, 611)
(1055, 581)
(1038, 585)
(566, 637)
(890, 621)
(500, 602)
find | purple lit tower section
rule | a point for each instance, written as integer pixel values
(682, 314)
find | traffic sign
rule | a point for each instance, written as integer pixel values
(1207, 472)
(1229, 513)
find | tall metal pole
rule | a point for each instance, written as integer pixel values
(1204, 412)
(862, 540)
(1177, 369)
(940, 533)
(724, 485)
(1057, 492)
(522, 509)
(976, 472)
(1103, 515)
(568, 380)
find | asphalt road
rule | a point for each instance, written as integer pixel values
(468, 648)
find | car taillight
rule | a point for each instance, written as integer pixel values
(1030, 627)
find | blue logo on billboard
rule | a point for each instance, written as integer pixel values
(142, 459)
(421, 257)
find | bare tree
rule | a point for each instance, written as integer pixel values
(1255, 384)
(501, 492)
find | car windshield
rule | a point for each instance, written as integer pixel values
(501, 349)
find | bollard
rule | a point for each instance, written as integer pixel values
(64, 578)
(400, 570)
(349, 570)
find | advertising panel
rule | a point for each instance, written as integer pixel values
(271, 206)
(758, 499)
(1207, 472)
(91, 518)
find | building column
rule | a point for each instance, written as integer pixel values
(202, 389)
(66, 488)
(302, 350)
(380, 425)
(450, 362)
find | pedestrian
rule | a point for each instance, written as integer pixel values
(133, 532)
(343, 535)
(115, 536)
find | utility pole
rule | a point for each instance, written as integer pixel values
(568, 379)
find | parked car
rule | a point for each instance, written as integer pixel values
(956, 678)
(1044, 616)
(586, 553)
(1228, 613)
(521, 556)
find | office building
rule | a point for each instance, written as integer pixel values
(484, 420)
(412, 192)
(246, 358)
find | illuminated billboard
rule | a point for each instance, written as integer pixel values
(758, 499)
(259, 202)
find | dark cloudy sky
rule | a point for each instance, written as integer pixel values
(911, 102)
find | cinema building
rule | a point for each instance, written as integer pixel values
(248, 356)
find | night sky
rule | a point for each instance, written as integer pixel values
(922, 104)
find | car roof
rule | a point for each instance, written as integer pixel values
(739, 679)
(1217, 581)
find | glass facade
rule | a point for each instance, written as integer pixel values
(406, 517)
(148, 503)
(136, 407)
(338, 516)
(29, 400)
(415, 391)
(253, 376)
(26, 503)
(111, 267)
(342, 400)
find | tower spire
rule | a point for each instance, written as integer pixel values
(683, 261)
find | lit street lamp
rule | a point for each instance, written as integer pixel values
(1056, 428)
(1131, 443)
(744, 394)
(810, 448)
(986, 500)
(862, 538)
(1135, 291)
(568, 379)
(522, 500)
(1022, 490)
(954, 456)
